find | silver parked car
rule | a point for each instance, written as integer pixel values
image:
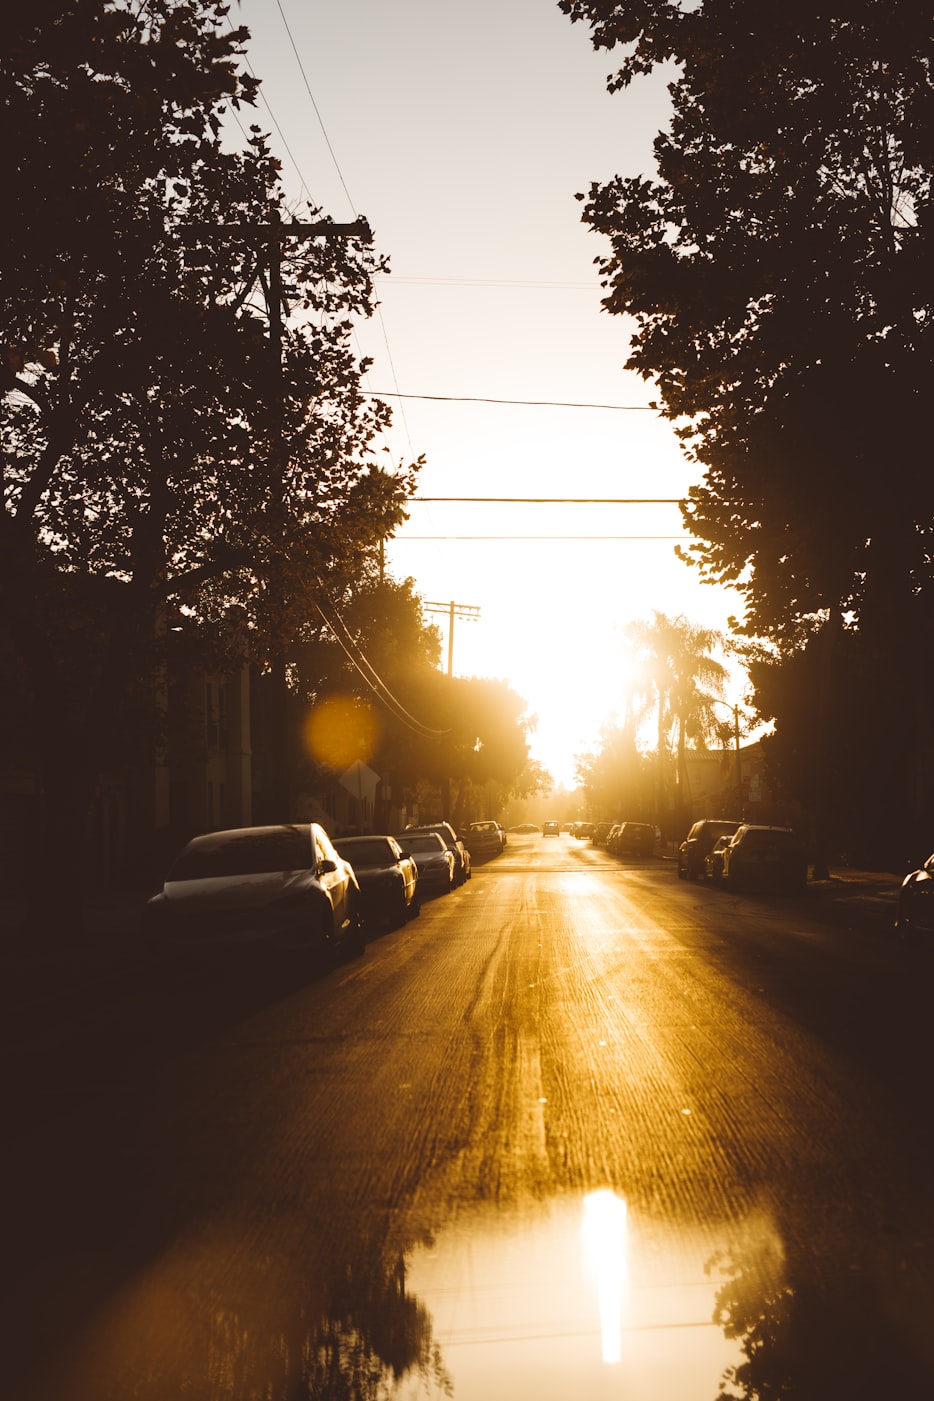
(451, 840)
(284, 885)
(435, 861)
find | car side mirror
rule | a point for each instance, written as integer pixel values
(325, 867)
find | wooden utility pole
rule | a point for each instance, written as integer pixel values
(453, 610)
(470, 612)
(271, 237)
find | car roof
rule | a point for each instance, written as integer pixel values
(207, 840)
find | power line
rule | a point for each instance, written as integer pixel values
(561, 500)
(490, 282)
(373, 681)
(524, 403)
(407, 539)
(327, 140)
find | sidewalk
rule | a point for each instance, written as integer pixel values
(862, 900)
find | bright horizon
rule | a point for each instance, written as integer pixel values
(463, 136)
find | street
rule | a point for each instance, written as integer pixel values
(581, 1130)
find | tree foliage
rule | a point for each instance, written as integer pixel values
(778, 273)
(179, 429)
(419, 727)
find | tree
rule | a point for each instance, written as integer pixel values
(686, 681)
(160, 447)
(778, 274)
(617, 779)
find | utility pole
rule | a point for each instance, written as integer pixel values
(270, 238)
(471, 613)
(738, 763)
(468, 611)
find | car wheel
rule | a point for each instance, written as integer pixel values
(682, 873)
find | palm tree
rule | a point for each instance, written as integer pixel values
(685, 682)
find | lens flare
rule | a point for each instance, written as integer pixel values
(341, 730)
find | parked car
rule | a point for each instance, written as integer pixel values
(283, 885)
(584, 830)
(713, 861)
(435, 861)
(525, 827)
(635, 839)
(484, 839)
(612, 838)
(915, 904)
(387, 877)
(699, 840)
(600, 832)
(551, 829)
(453, 843)
(758, 857)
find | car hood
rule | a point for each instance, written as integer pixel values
(249, 892)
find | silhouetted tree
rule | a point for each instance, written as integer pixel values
(162, 443)
(778, 273)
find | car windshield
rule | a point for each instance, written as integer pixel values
(429, 842)
(251, 852)
(370, 852)
(768, 841)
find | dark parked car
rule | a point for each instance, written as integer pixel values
(453, 843)
(765, 857)
(699, 840)
(635, 839)
(284, 885)
(915, 907)
(600, 833)
(387, 877)
(434, 860)
(484, 839)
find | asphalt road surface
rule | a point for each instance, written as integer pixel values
(579, 1131)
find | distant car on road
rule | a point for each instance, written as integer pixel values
(765, 857)
(434, 860)
(914, 912)
(484, 839)
(699, 840)
(453, 843)
(285, 886)
(387, 877)
(635, 839)
(551, 829)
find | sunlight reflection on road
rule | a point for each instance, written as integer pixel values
(572, 1299)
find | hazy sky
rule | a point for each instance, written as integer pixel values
(463, 133)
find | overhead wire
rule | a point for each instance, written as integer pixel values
(408, 539)
(340, 176)
(371, 677)
(523, 403)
